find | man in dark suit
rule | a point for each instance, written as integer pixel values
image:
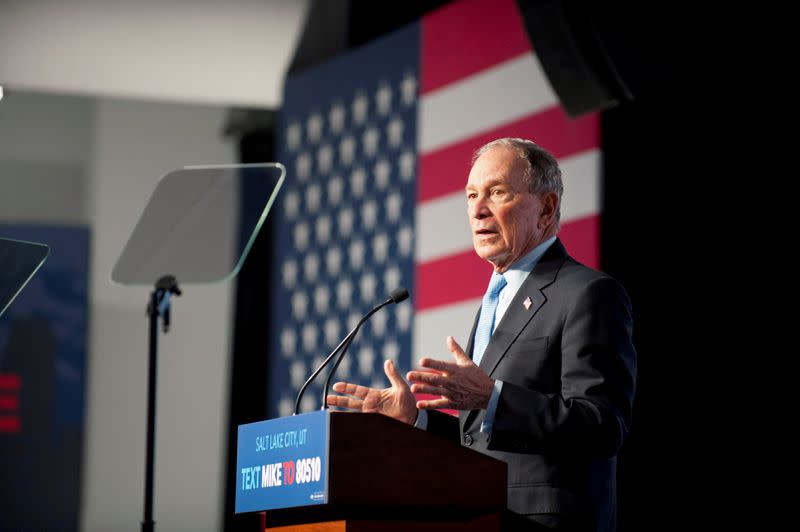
(548, 377)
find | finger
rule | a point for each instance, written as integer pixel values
(351, 389)
(391, 373)
(457, 351)
(429, 389)
(343, 401)
(428, 377)
(439, 365)
(434, 403)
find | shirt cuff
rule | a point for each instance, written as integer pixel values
(488, 419)
(422, 420)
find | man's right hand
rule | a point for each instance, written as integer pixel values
(396, 401)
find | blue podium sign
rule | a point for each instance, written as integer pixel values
(283, 462)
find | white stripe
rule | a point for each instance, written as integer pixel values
(490, 98)
(433, 326)
(443, 227)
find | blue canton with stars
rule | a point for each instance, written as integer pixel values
(345, 218)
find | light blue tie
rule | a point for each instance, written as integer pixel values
(486, 321)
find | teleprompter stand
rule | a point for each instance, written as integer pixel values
(197, 228)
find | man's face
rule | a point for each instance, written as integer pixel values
(504, 216)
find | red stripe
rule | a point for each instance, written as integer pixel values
(9, 402)
(468, 36)
(445, 171)
(10, 381)
(451, 279)
(10, 424)
(581, 237)
(464, 275)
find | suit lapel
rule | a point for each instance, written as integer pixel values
(519, 314)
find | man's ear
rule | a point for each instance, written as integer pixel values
(549, 208)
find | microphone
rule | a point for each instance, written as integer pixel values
(397, 295)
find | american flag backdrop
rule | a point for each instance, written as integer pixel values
(377, 145)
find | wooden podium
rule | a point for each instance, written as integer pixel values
(385, 475)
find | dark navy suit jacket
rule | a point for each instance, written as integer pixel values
(568, 368)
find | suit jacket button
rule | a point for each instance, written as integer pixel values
(467, 440)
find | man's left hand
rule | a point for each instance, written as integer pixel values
(461, 385)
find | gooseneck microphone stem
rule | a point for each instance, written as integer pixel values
(344, 350)
(321, 366)
(396, 296)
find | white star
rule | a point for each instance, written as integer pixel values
(303, 166)
(380, 247)
(299, 304)
(403, 314)
(313, 197)
(293, 136)
(369, 214)
(408, 87)
(311, 267)
(333, 261)
(360, 105)
(366, 359)
(370, 139)
(344, 293)
(297, 373)
(407, 163)
(405, 240)
(336, 117)
(292, 204)
(344, 368)
(323, 229)
(301, 236)
(367, 286)
(383, 172)
(378, 323)
(346, 221)
(335, 189)
(314, 126)
(391, 350)
(356, 253)
(358, 182)
(392, 278)
(325, 158)
(321, 299)
(309, 402)
(383, 99)
(309, 337)
(352, 320)
(289, 272)
(394, 131)
(288, 342)
(394, 206)
(331, 332)
(347, 150)
(317, 362)
(286, 406)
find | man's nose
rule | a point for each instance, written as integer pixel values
(479, 209)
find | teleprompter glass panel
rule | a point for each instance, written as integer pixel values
(18, 262)
(199, 224)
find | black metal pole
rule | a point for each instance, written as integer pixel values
(148, 525)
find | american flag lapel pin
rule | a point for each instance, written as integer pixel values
(527, 303)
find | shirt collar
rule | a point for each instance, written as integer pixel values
(519, 271)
